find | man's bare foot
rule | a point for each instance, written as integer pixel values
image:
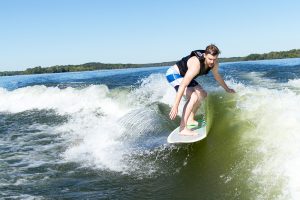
(187, 132)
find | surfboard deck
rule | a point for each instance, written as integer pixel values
(174, 137)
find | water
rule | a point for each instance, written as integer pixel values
(102, 135)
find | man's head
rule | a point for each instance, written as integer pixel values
(211, 55)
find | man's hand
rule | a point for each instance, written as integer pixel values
(230, 90)
(173, 112)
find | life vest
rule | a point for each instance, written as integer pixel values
(182, 64)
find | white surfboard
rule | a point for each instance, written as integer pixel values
(174, 137)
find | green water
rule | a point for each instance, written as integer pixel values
(103, 135)
(220, 166)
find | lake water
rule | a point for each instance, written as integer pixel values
(103, 135)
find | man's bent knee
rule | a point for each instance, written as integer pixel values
(194, 98)
(201, 95)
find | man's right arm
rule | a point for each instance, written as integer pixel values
(193, 70)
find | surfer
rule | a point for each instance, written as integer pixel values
(182, 77)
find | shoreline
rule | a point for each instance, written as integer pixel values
(95, 66)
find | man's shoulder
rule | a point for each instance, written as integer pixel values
(193, 60)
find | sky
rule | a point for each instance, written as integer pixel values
(60, 32)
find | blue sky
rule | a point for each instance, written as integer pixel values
(58, 32)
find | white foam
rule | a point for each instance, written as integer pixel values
(294, 83)
(92, 134)
(64, 101)
(275, 114)
(97, 144)
(102, 142)
(154, 88)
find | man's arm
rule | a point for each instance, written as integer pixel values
(219, 79)
(193, 70)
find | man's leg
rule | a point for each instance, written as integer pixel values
(201, 96)
(187, 110)
(191, 120)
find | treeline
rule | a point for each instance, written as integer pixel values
(294, 53)
(83, 67)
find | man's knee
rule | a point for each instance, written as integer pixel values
(201, 95)
(194, 97)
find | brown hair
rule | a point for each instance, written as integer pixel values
(212, 49)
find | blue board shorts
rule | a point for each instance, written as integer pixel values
(174, 78)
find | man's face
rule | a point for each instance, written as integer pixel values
(210, 60)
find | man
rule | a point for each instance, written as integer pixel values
(182, 77)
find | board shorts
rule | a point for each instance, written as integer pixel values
(174, 78)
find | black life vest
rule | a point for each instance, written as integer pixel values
(182, 64)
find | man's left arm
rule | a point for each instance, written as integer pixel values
(219, 79)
